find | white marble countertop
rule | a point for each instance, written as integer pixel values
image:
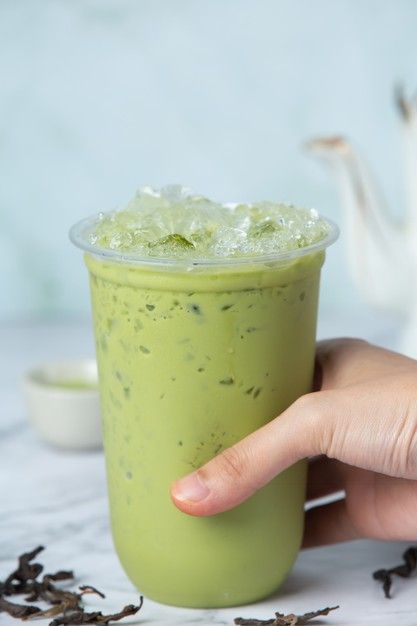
(59, 500)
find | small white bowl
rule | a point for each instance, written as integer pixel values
(64, 405)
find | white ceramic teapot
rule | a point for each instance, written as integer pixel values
(382, 250)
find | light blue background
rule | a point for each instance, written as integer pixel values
(98, 97)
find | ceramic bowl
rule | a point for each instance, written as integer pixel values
(63, 404)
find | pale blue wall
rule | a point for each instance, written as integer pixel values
(98, 97)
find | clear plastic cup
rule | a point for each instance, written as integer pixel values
(192, 357)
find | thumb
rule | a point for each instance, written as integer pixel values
(233, 476)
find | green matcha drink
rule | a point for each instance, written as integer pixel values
(205, 320)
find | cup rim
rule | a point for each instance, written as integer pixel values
(46, 377)
(78, 232)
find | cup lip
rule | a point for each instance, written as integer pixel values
(78, 231)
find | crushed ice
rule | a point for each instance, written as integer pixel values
(173, 222)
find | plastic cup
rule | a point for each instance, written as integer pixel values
(192, 357)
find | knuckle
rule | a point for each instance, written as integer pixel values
(302, 402)
(329, 347)
(411, 464)
(233, 463)
(358, 341)
(310, 405)
(348, 342)
(308, 409)
(311, 410)
(404, 455)
(305, 404)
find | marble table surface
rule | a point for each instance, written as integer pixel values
(59, 500)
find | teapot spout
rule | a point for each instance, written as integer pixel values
(407, 108)
(375, 241)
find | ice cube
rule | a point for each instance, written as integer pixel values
(174, 222)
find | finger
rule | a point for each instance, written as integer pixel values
(333, 357)
(328, 524)
(342, 362)
(233, 476)
(325, 476)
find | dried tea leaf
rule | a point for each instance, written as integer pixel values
(45, 589)
(253, 621)
(25, 572)
(90, 589)
(62, 602)
(405, 570)
(57, 609)
(53, 595)
(410, 563)
(65, 606)
(77, 618)
(286, 620)
(22, 611)
(384, 577)
(303, 619)
(61, 575)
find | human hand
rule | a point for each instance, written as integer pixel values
(363, 421)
